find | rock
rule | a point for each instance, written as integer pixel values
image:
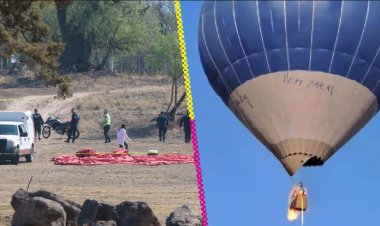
(93, 211)
(183, 216)
(19, 197)
(71, 208)
(89, 211)
(135, 214)
(104, 223)
(106, 212)
(39, 211)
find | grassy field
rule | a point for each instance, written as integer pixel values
(132, 100)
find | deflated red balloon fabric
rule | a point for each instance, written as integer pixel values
(120, 156)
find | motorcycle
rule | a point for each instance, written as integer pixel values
(55, 123)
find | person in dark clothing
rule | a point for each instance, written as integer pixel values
(162, 124)
(185, 122)
(38, 122)
(73, 126)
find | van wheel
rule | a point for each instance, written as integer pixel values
(30, 157)
(16, 158)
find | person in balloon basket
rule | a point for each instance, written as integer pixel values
(185, 122)
(299, 198)
(38, 122)
(106, 126)
(73, 126)
(162, 124)
(122, 137)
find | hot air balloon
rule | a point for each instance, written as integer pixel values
(302, 76)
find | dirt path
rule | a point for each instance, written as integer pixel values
(44, 103)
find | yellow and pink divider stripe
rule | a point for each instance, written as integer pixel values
(190, 108)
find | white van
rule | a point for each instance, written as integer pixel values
(17, 138)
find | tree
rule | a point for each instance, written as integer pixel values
(23, 31)
(106, 27)
(167, 17)
(166, 49)
(77, 47)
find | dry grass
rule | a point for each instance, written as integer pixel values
(135, 107)
(7, 79)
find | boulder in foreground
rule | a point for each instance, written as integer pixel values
(183, 216)
(19, 197)
(136, 214)
(71, 208)
(95, 211)
(39, 211)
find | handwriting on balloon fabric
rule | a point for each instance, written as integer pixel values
(243, 98)
(309, 83)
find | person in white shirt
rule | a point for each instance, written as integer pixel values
(122, 137)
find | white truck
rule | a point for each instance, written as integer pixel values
(17, 138)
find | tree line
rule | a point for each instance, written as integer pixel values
(57, 37)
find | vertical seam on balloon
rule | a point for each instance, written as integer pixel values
(220, 74)
(312, 36)
(261, 35)
(271, 20)
(299, 15)
(370, 66)
(221, 44)
(377, 84)
(360, 40)
(238, 35)
(189, 101)
(337, 35)
(286, 36)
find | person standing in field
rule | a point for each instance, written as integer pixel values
(38, 122)
(162, 124)
(73, 126)
(185, 122)
(106, 126)
(122, 137)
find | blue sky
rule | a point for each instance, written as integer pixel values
(246, 185)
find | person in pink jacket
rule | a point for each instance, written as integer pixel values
(122, 137)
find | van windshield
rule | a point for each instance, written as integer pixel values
(8, 130)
